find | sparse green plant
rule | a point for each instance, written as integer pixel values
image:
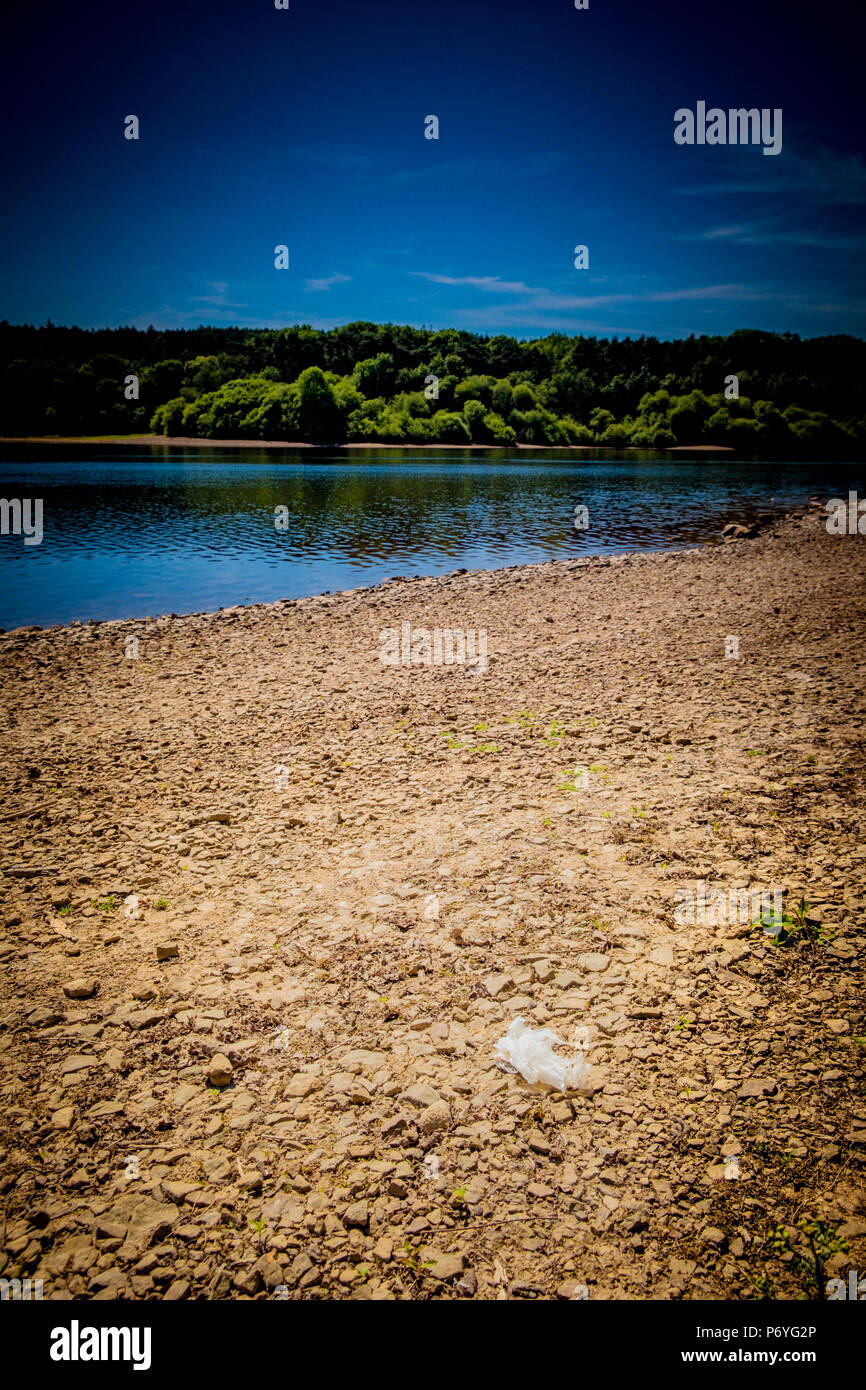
(784, 928)
(555, 733)
(412, 1258)
(763, 1284)
(571, 780)
(453, 739)
(779, 1240)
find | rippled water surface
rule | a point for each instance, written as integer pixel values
(148, 530)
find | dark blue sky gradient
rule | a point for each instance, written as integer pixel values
(305, 127)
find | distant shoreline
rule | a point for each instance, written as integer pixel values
(180, 442)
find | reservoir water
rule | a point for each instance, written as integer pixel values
(132, 531)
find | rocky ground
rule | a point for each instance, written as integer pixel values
(271, 1073)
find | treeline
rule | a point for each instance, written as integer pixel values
(388, 383)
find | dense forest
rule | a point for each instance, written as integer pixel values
(386, 383)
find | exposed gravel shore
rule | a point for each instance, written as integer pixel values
(273, 1075)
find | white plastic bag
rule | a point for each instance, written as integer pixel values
(529, 1051)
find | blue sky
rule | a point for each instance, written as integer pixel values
(306, 127)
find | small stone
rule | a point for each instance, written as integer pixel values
(63, 1118)
(44, 1018)
(497, 984)
(441, 1266)
(711, 1235)
(110, 1282)
(184, 1094)
(270, 1272)
(143, 1018)
(566, 979)
(301, 1265)
(220, 1286)
(79, 1061)
(422, 1096)
(80, 988)
(167, 950)
(537, 1142)
(758, 1086)
(358, 1214)
(569, 1289)
(219, 1072)
(179, 1289)
(176, 1191)
(593, 961)
(435, 1118)
(301, 1085)
(248, 1281)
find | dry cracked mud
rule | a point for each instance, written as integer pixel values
(273, 1074)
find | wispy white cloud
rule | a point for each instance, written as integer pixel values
(480, 282)
(217, 297)
(537, 297)
(821, 177)
(517, 318)
(763, 234)
(328, 281)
